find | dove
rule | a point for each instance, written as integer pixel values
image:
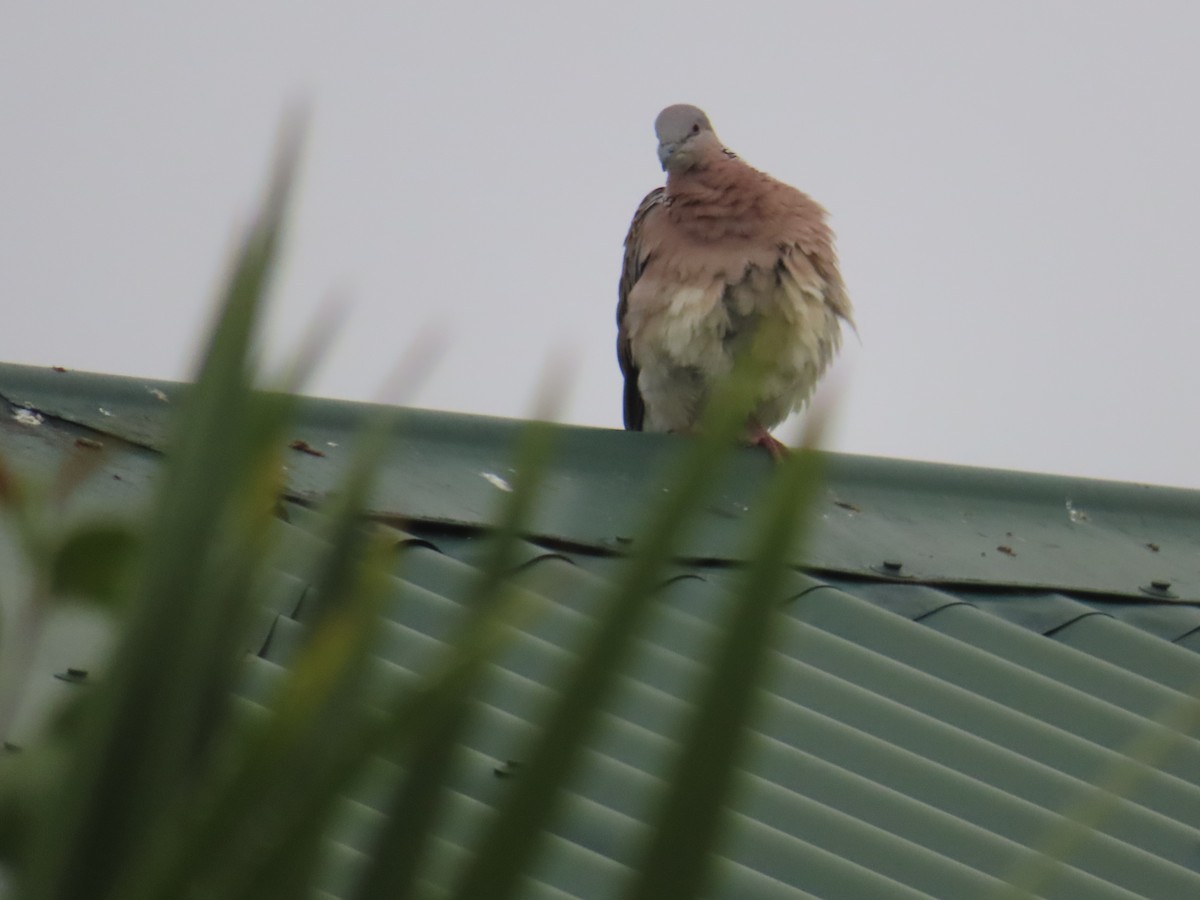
(723, 260)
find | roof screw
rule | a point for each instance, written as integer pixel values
(75, 676)
(507, 769)
(890, 568)
(1159, 588)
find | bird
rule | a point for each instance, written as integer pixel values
(721, 259)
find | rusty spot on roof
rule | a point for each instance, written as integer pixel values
(306, 447)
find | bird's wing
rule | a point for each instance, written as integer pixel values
(631, 270)
(820, 261)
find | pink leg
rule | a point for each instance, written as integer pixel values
(760, 437)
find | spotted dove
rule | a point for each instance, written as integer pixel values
(722, 258)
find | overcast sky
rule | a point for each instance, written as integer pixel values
(1015, 187)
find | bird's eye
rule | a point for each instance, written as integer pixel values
(696, 128)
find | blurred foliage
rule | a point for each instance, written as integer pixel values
(157, 785)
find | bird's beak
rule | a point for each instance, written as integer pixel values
(665, 151)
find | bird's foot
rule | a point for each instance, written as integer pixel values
(760, 437)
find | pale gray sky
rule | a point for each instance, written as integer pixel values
(1014, 185)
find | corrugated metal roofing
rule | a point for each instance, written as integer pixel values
(924, 733)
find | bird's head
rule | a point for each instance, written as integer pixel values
(684, 135)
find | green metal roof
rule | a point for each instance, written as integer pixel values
(966, 652)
